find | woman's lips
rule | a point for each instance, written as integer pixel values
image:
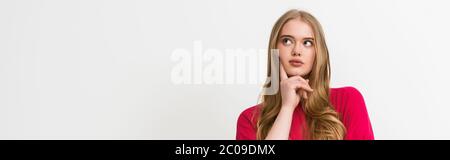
(296, 63)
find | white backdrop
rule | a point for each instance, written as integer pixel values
(105, 69)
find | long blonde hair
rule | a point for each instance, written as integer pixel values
(322, 120)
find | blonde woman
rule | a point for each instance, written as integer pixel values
(304, 106)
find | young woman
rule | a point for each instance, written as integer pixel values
(304, 106)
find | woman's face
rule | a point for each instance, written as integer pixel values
(296, 47)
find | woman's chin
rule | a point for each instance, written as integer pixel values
(296, 74)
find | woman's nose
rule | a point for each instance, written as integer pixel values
(296, 50)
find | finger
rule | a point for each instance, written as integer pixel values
(305, 95)
(302, 86)
(300, 94)
(306, 83)
(301, 79)
(283, 73)
(305, 86)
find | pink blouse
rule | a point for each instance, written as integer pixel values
(348, 102)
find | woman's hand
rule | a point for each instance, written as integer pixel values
(293, 89)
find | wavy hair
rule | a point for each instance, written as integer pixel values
(323, 121)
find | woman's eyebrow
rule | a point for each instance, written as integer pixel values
(305, 38)
(287, 36)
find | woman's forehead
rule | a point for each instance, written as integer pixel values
(298, 29)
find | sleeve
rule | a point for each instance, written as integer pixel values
(245, 129)
(357, 120)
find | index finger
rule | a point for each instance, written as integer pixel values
(283, 73)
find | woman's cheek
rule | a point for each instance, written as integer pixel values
(284, 54)
(311, 61)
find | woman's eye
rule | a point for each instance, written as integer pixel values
(286, 41)
(308, 43)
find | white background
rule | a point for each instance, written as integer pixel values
(95, 69)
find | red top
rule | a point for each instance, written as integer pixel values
(348, 102)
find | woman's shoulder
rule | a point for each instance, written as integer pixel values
(250, 110)
(345, 98)
(347, 91)
(249, 114)
(246, 123)
(349, 102)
